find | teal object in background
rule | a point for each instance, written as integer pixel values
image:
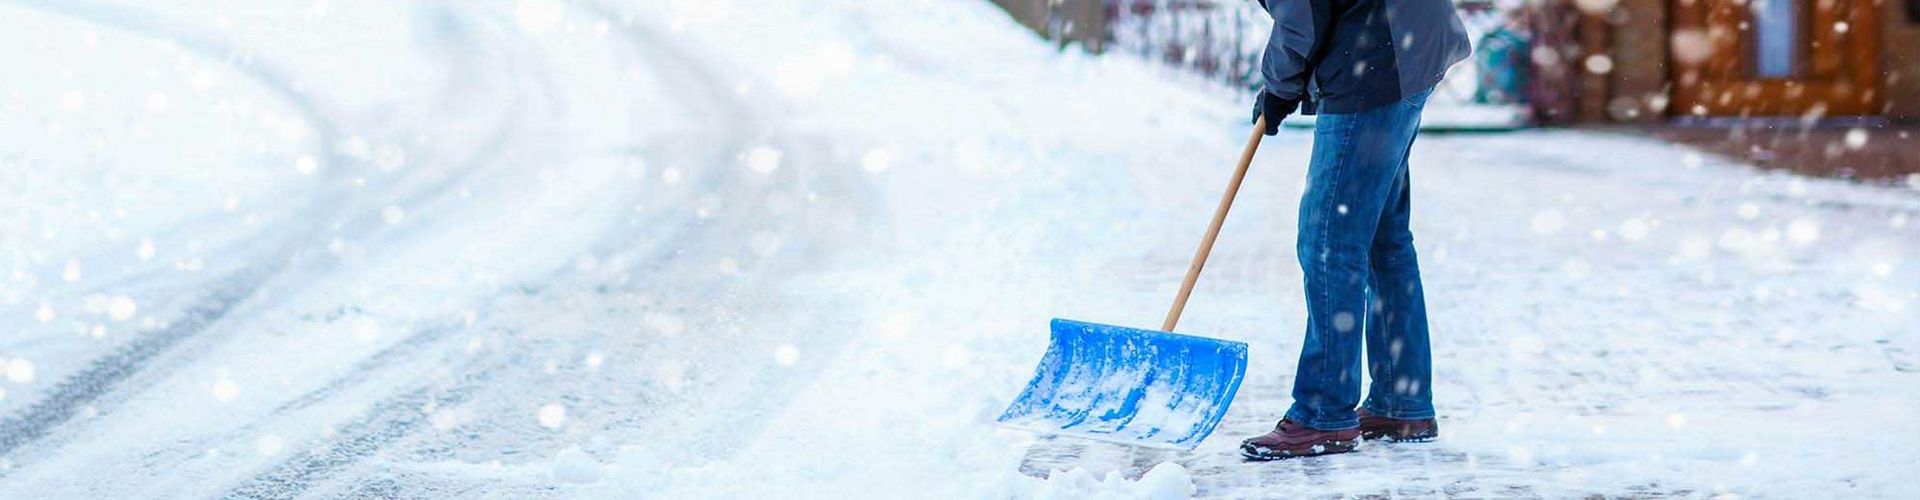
(1501, 61)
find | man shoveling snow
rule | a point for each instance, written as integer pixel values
(1366, 68)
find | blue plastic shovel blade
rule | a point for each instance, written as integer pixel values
(1130, 386)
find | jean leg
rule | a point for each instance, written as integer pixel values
(1399, 356)
(1356, 158)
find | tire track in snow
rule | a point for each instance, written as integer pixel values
(397, 416)
(805, 159)
(105, 374)
(400, 417)
(116, 372)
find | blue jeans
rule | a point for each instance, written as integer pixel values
(1362, 278)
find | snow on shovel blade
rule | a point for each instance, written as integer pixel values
(1130, 386)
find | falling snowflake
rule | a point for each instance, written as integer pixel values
(225, 390)
(1797, 188)
(765, 244)
(1526, 346)
(1344, 322)
(538, 16)
(1691, 46)
(1520, 454)
(957, 356)
(1577, 268)
(389, 157)
(786, 355)
(1635, 229)
(1599, 64)
(364, 329)
(306, 164)
(1883, 269)
(668, 325)
(121, 308)
(670, 374)
(876, 161)
(1547, 222)
(204, 80)
(393, 214)
(448, 418)
(74, 100)
(1856, 138)
(269, 445)
(763, 160)
(20, 371)
(1803, 230)
(158, 102)
(552, 416)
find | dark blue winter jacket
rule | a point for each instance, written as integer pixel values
(1347, 56)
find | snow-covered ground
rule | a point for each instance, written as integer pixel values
(709, 248)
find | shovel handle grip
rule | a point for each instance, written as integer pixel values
(1213, 230)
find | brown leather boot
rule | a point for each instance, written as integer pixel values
(1289, 439)
(1396, 430)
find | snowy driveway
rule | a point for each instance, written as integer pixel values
(1613, 315)
(693, 248)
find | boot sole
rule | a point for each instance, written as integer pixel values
(1328, 448)
(1391, 438)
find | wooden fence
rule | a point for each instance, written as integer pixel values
(1222, 39)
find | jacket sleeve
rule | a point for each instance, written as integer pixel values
(1300, 32)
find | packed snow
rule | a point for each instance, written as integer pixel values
(726, 249)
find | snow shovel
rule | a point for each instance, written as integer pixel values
(1148, 388)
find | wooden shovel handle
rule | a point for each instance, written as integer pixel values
(1213, 230)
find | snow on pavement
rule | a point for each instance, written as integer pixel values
(1644, 322)
(679, 248)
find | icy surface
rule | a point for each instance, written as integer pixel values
(809, 249)
(1165, 481)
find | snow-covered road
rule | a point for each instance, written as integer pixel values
(702, 248)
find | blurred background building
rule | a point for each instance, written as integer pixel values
(1829, 87)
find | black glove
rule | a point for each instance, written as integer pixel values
(1274, 108)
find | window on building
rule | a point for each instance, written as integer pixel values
(1776, 34)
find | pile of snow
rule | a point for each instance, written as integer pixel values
(957, 115)
(1165, 481)
(575, 466)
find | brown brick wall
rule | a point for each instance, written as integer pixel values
(1639, 56)
(1900, 46)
